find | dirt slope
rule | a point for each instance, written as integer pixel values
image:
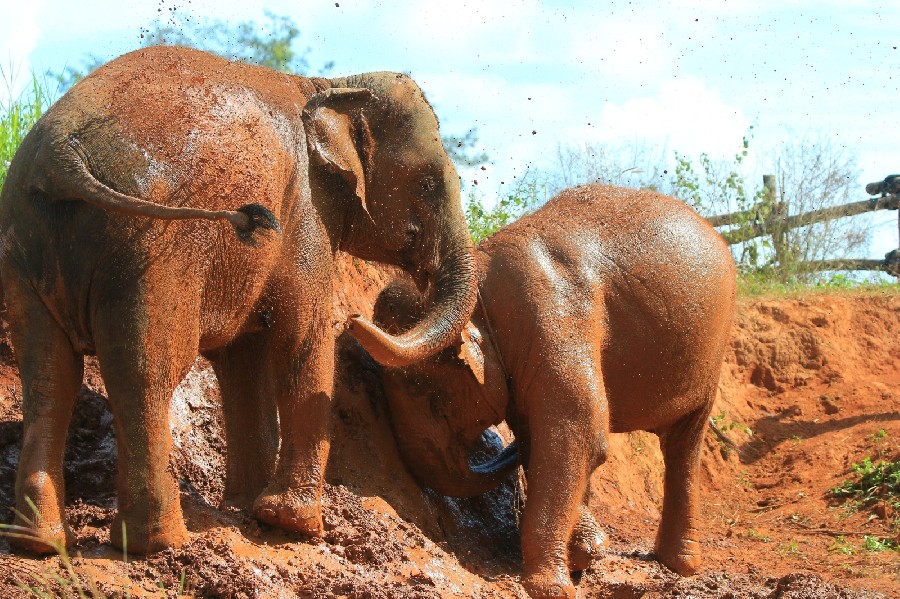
(815, 379)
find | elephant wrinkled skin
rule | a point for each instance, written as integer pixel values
(317, 165)
(610, 310)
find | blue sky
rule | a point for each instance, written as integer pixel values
(689, 75)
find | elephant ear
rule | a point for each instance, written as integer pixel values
(470, 351)
(337, 141)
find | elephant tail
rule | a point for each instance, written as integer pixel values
(72, 177)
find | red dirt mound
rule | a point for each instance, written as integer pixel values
(814, 379)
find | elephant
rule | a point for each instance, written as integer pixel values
(109, 247)
(606, 310)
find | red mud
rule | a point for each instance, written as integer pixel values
(815, 379)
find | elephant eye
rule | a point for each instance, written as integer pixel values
(428, 184)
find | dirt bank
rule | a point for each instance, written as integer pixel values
(815, 379)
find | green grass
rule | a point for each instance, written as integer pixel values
(48, 581)
(19, 114)
(755, 286)
(66, 581)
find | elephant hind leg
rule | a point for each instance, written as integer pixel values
(142, 360)
(251, 419)
(677, 540)
(51, 373)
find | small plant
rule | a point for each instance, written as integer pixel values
(875, 544)
(874, 482)
(840, 545)
(755, 536)
(721, 426)
(18, 115)
(727, 425)
(792, 548)
(878, 436)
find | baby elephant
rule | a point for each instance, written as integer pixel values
(607, 310)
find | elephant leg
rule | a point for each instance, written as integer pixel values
(142, 359)
(302, 379)
(587, 541)
(677, 541)
(251, 420)
(51, 373)
(566, 446)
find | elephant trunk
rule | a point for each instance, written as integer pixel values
(453, 299)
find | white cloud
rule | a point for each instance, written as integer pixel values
(685, 114)
(19, 34)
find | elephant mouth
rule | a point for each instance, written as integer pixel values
(422, 278)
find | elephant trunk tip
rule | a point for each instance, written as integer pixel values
(438, 325)
(384, 348)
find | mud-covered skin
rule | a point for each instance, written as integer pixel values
(611, 310)
(353, 164)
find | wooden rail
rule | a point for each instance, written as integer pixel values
(776, 223)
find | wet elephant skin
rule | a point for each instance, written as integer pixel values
(106, 248)
(610, 310)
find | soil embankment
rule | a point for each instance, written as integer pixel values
(815, 379)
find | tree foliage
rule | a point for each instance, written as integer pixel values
(809, 174)
(637, 165)
(271, 44)
(526, 197)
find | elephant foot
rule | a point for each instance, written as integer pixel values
(296, 510)
(141, 538)
(41, 538)
(544, 586)
(682, 557)
(586, 544)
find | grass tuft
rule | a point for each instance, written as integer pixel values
(18, 114)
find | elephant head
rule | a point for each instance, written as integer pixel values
(441, 406)
(376, 152)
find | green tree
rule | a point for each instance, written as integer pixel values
(637, 165)
(272, 44)
(526, 197)
(810, 174)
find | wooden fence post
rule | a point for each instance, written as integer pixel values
(776, 219)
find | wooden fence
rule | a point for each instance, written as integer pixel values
(771, 219)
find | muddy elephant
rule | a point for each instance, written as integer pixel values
(106, 248)
(607, 310)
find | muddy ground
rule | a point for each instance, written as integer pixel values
(814, 378)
